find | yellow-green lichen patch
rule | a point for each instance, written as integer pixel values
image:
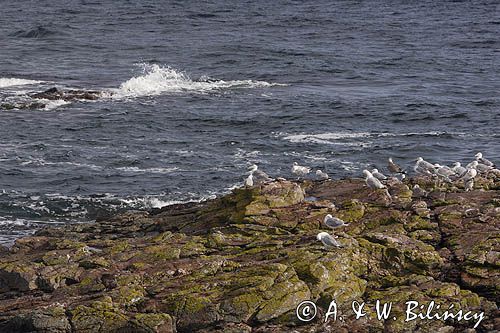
(97, 317)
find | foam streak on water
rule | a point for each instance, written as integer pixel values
(13, 82)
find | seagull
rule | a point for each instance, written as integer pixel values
(419, 192)
(378, 175)
(423, 167)
(482, 168)
(259, 175)
(371, 181)
(444, 172)
(299, 170)
(253, 168)
(469, 185)
(334, 222)
(322, 175)
(471, 173)
(479, 157)
(249, 180)
(458, 168)
(327, 240)
(393, 167)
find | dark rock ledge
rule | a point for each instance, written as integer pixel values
(243, 262)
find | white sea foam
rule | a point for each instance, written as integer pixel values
(43, 162)
(20, 222)
(341, 137)
(6, 82)
(324, 137)
(149, 202)
(14, 222)
(159, 80)
(148, 170)
(51, 105)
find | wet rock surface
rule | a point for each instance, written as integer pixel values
(67, 94)
(40, 100)
(243, 262)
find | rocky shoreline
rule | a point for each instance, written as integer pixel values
(243, 262)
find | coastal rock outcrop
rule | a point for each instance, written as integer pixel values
(243, 263)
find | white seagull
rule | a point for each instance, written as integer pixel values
(423, 167)
(377, 174)
(322, 175)
(327, 240)
(419, 192)
(249, 180)
(469, 185)
(259, 175)
(479, 157)
(299, 170)
(393, 167)
(480, 167)
(334, 222)
(458, 169)
(371, 181)
(443, 171)
(471, 172)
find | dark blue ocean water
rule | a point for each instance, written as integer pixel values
(197, 91)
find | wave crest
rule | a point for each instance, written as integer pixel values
(6, 82)
(158, 80)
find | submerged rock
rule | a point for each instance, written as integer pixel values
(22, 105)
(243, 263)
(67, 95)
(41, 100)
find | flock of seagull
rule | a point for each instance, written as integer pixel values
(376, 180)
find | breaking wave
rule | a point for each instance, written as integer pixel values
(157, 80)
(6, 82)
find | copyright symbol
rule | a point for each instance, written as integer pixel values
(306, 311)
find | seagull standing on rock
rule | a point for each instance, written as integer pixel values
(469, 185)
(371, 181)
(479, 157)
(322, 175)
(334, 222)
(469, 175)
(458, 169)
(419, 192)
(249, 180)
(394, 168)
(327, 240)
(300, 170)
(259, 175)
(423, 167)
(375, 184)
(480, 167)
(471, 172)
(377, 174)
(443, 172)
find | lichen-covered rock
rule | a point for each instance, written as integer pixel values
(243, 262)
(18, 275)
(99, 316)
